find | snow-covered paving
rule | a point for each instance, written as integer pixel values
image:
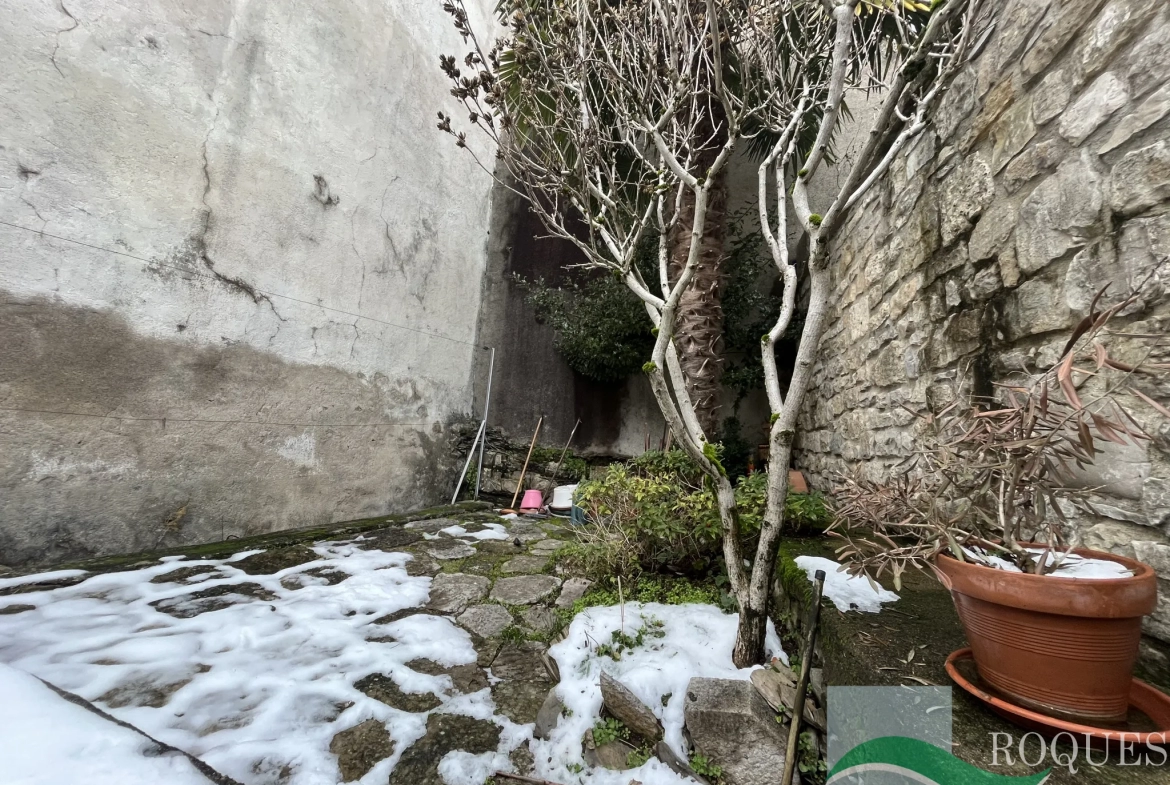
(258, 688)
(695, 640)
(273, 666)
(848, 592)
(46, 740)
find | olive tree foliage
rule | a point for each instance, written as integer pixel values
(600, 109)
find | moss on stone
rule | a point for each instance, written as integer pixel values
(287, 537)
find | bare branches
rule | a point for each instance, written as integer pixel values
(608, 117)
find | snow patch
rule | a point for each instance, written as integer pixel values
(46, 740)
(491, 531)
(848, 592)
(1073, 566)
(463, 768)
(697, 640)
(40, 577)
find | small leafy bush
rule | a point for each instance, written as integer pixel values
(657, 513)
(622, 642)
(703, 765)
(639, 756)
(609, 729)
(803, 512)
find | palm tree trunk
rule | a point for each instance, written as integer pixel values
(699, 329)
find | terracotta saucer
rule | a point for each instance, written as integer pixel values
(1148, 723)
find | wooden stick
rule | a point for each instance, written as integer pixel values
(565, 451)
(531, 447)
(802, 683)
(522, 778)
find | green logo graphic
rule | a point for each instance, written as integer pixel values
(922, 762)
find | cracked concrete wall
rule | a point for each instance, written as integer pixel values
(230, 167)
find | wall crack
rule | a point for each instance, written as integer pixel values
(57, 43)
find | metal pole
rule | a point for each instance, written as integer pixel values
(802, 684)
(467, 463)
(565, 451)
(487, 404)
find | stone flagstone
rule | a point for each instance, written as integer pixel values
(486, 621)
(431, 526)
(452, 593)
(449, 550)
(573, 590)
(359, 748)
(445, 733)
(382, 688)
(524, 589)
(525, 564)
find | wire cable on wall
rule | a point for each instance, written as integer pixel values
(213, 421)
(186, 271)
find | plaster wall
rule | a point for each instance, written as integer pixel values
(231, 236)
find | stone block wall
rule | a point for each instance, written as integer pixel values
(1045, 175)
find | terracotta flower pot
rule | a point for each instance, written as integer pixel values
(1062, 646)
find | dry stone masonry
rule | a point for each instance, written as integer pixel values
(1044, 176)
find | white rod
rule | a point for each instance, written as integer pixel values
(467, 463)
(487, 404)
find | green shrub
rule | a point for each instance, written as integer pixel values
(803, 512)
(573, 469)
(657, 513)
(645, 516)
(608, 730)
(600, 326)
(704, 766)
(667, 590)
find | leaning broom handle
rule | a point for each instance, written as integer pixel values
(565, 451)
(802, 684)
(531, 447)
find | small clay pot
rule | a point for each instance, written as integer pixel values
(1062, 646)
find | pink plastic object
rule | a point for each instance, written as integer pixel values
(532, 500)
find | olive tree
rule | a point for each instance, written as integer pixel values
(609, 116)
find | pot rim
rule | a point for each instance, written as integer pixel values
(1127, 597)
(1141, 570)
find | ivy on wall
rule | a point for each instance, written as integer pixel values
(602, 331)
(600, 327)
